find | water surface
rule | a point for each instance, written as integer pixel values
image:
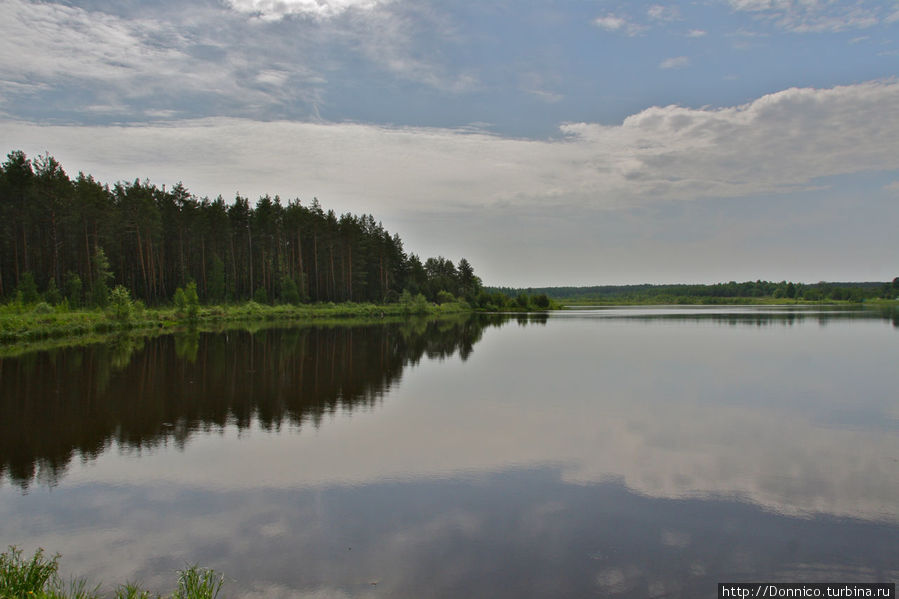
(617, 452)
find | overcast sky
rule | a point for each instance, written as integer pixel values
(550, 142)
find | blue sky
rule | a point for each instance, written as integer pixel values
(549, 142)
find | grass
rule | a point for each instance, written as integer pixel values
(29, 324)
(38, 577)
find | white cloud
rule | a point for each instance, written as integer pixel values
(815, 16)
(610, 22)
(676, 62)
(894, 186)
(659, 12)
(130, 61)
(619, 24)
(322, 9)
(777, 143)
(696, 33)
(53, 40)
(138, 63)
(388, 38)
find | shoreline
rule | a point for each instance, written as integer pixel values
(25, 329)
(28, 325)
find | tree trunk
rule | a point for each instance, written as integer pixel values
(143, 266)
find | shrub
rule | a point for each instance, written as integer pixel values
(120, 305)
(260, 296)
(187, 301)
(192, 299)
(180, 301)
(43, 308)
(73, 289)
(445, 297)
(27, 289)
(419, 304)
(52, 294)
(289, 292)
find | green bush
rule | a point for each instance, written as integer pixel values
(27, 289)
(73, 289)
(52, 294)
(445, 297)
(192, 299)
(43, 308)
(260, 296)
(289, 292)
(120, 305)
(180, 302)
(187, 301)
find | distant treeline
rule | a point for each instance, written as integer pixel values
(713, 293)
(74, 240)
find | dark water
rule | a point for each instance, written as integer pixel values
(622, 453)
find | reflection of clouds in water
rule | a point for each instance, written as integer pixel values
(784, 462)
(614, 580)
(395, 539)
(267, 591)
(673, 538)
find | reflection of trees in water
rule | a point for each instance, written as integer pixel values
(763, 319)
(143, 392)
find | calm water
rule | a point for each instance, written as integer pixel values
(613, 453)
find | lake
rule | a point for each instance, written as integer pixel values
(624, 452)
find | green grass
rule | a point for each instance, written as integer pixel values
(38, 577)
(29, 324)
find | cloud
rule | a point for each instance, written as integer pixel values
(676, 62)
(696, 33)
(814, 16)
(390, 38)
(657, 12)
(776, 144)
(184, 61)
(321, 9)
(894, 186)
(132, 65)
(619, 24)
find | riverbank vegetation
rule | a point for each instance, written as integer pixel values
(38, 577)
(748, 292)
(21, 323)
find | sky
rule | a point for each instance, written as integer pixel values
(549, 142)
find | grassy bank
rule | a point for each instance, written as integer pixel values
(21, 324)
(38, 577)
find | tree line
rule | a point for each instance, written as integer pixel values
(719, 291)
(76, 239)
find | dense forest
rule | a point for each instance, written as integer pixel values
(719, 292)
(74, 240)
